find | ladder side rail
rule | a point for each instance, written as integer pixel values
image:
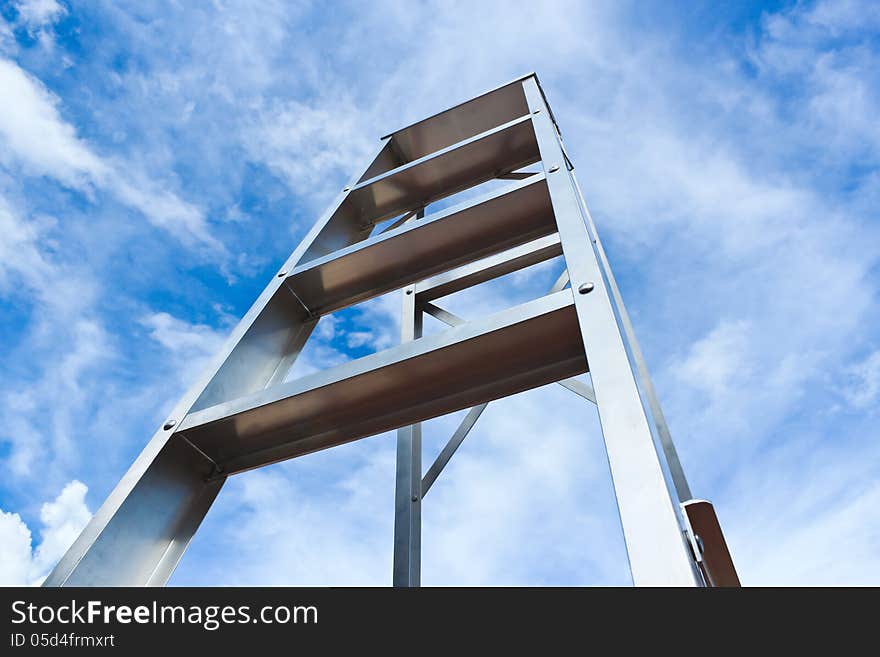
(652, 529)
(166, 492)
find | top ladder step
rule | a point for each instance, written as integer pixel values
(458, 123)
(443, 173)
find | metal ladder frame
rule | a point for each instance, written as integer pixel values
(243, 414)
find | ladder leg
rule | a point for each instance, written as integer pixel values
(140, 533)
(652, 527)
(143, 528)
(408, 493)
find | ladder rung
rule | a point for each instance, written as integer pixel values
(419, 249)
(514, 350)
(458, 123)
(506, 262)
(464, 164)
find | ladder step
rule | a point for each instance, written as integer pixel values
(508, 147)
(500, 264)
(514, 350)
(458, 123)
(420, 249)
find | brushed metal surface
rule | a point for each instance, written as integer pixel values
(439, 242)
(520, 348)
(458, 123)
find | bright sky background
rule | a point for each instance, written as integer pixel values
(159, 161)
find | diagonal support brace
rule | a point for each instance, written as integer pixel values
(447, 452)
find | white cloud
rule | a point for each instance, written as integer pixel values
(823, 46)
(37, 13)
(818, 503)
(181, 337)
(310, 146)
(64, 330)
(19, 251)
(834, 17)
(35, 133)
(372, 324)
(381, 317)
(15, 550)
(30, 262)
(41, 430)
(356, 339)
(165, 210)
(61, 522)
(865, 381)
(191, 346)
(716, 361)
(311, 546)
(326, 328)
(837, 545)
(36, 136)
(7, 38)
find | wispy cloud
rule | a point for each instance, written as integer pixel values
(309, 145)
(36, 136)
(36, 13)
(864, 388)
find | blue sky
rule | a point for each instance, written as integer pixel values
(159, 161)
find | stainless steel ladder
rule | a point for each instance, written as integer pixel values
(244, 414)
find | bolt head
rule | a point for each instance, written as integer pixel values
(282, 274)
(415, 498)
(168, 425)
(409, 291)
(345, 189)
(586, 288)
(553, 169)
